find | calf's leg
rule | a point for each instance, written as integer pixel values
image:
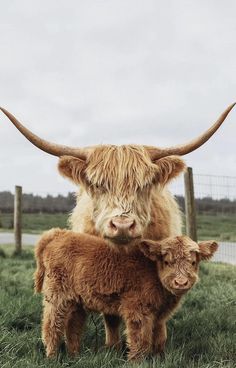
(112, 324)
(53, 326)
(159, 337)
(139, 330)
(75, 322)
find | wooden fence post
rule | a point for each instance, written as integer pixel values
(190, 211)
(17, 219)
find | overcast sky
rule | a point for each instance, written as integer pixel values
(115, 71)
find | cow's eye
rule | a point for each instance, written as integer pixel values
(166, 263)
(100, 188)
(193, 263)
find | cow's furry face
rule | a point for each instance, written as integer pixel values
(177, 260)
(119, 181)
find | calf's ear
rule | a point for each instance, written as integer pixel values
(168, 168)
(72, 168)
(151, 249)
(207, 249)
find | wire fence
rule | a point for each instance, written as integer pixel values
(215, 201)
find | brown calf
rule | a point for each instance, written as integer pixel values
(81, 273)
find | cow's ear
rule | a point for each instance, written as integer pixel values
(151, 249)
(207, 249)
(168, 168)
(72, 168)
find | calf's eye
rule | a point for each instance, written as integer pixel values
(193, 263)
(166, 263)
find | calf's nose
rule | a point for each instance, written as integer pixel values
(181, 283)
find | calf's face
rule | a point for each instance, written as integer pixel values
(177, 260)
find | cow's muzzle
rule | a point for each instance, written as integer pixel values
(122, 230)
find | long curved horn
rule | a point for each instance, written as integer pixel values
(52, 148)
(156, 153)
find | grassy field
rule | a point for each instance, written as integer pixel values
(201, 334)
(34, 222)
(219, 227)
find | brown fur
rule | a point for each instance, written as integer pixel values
(78, 273)
(123, 181)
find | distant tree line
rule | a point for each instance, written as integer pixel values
(36, 204)
(210, 205)
(62, 204)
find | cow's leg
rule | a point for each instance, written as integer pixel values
(159, 337)
(139, 330)
(112, 324)
(53, 326)
(75, 322)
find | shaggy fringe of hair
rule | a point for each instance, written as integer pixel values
(127, 167)
(124, 167)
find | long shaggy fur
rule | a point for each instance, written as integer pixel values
(119, 180)
(39, 250)
(78, 273)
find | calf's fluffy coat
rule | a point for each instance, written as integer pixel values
(80, 272)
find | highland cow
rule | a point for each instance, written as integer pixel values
(82, 273)
(123, 194)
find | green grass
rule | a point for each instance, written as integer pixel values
(220, 227)
(35, 222)
(201, 334)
